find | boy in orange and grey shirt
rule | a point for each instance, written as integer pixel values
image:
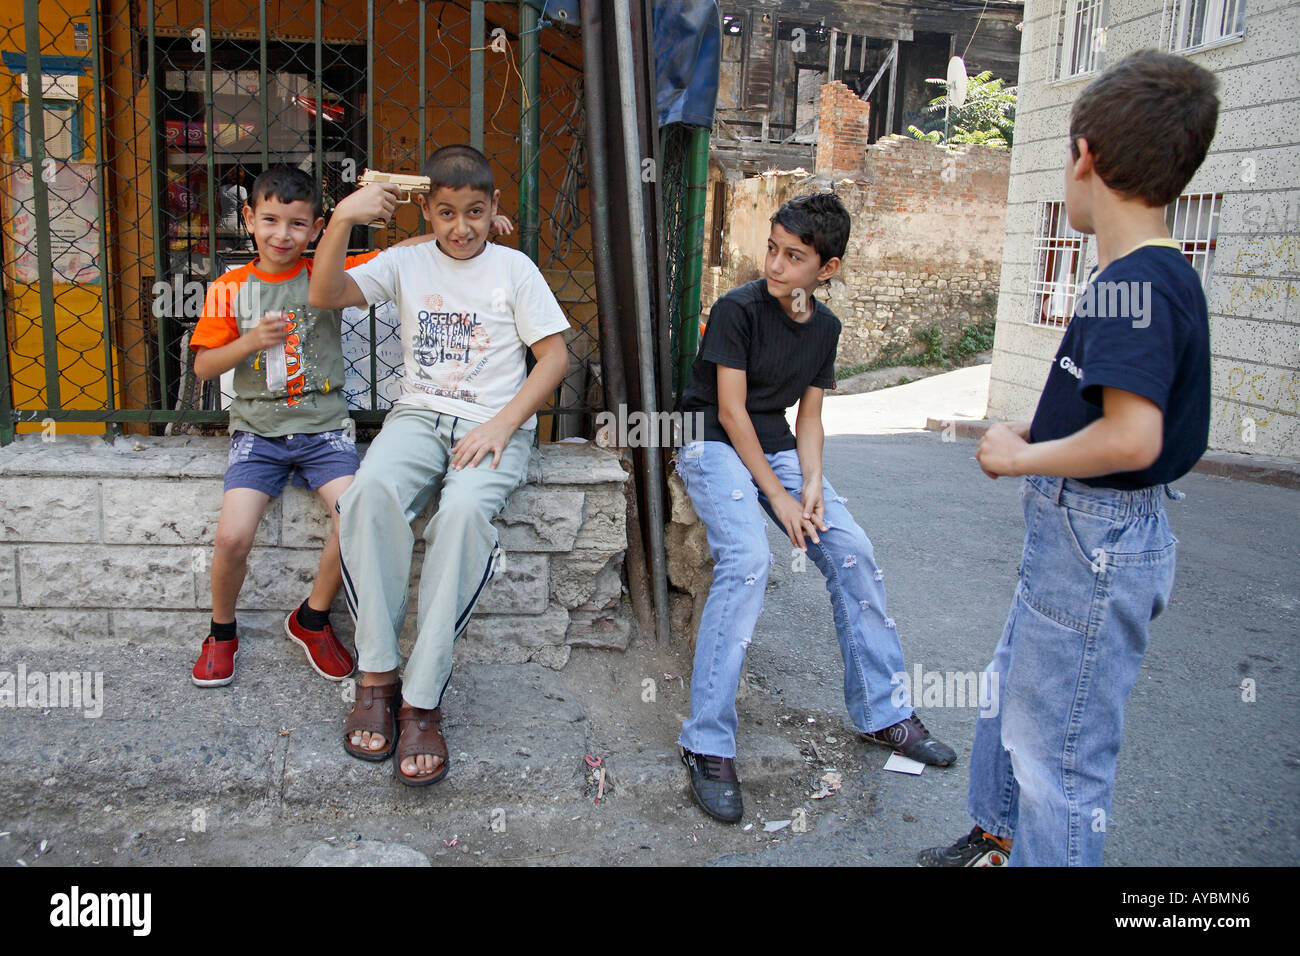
(297, 429)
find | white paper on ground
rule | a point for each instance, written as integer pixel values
(900, 764)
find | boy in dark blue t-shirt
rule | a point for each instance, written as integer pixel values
(1125, 411)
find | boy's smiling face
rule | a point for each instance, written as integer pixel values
(793, 265)
(281, 230)
(460, 219)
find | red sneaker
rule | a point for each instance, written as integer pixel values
(216, 664)
(325, 654)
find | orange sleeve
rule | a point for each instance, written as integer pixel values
(356, 260)
(217, 325)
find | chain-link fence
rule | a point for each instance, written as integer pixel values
(155, 116)
(685, 153)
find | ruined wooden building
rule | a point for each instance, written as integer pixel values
(776, 56)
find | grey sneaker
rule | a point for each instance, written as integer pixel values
(715, 785)
(974, 849)
(911, 739)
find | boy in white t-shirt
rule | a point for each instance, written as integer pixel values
(462, 429)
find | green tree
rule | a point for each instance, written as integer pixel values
(987, 118)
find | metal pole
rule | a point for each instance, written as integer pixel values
(210, 144)
(529, 129)
(370, 162)
(477, 39)
(320, 98)
(160, 265)
(645, 333)
(41, 200)
(611, 347)
(265, 96)
(697, 194)
(110, 390)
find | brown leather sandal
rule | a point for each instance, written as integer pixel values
(373, 711)
(421, 733)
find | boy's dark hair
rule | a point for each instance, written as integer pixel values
(455, 167)
(820, 221)
(1148, 121)
(287, 185)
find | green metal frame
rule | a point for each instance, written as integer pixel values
(531, 23)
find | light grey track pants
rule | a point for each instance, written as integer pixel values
(407, 464)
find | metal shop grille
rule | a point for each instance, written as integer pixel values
(131, 131)
(1057, 267)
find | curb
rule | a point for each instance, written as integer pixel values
(1262, 469)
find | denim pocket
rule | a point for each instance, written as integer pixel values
(1057, 577)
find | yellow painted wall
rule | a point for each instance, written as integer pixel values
(78, 315)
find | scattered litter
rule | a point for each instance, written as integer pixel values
(46, 843)
(600, 787)
(900, 764)
(694, 838)
(5, 834)
(672, 677)
(771, 826)
(748, 827)
(455, 838)
(284, 732)
(108, 809)
(351, 846)
(21, 861)
(812, 720)
(524, 752)
(816, 753)
(831, 740)
(830, 782)
(592, 761)
(181, 840)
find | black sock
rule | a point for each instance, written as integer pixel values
(223, 632)
(312, 619)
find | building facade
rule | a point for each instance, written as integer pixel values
(1238, 220)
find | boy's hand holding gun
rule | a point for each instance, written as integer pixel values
(402, 187)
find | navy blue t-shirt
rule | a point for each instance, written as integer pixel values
(1140, 325)
(748, 329)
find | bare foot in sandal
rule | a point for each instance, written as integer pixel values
(368, 741)
(421, 749)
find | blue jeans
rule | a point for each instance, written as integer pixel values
(728, 502)
(1097, 568)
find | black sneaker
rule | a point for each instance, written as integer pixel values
(911, 739)
(715, 785)
(974, 849)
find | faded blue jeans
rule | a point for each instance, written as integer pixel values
(731, 507)
(1097, 568)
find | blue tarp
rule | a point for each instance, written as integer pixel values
(688, 52)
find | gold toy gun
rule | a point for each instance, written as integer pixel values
(408, 185)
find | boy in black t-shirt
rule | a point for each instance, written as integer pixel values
(768, 345)
(1125, 411)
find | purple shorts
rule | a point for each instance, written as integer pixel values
(265, 464)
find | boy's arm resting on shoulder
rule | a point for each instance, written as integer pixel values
(1128, 437)
(733, 387)
(331, 287)
(492, 436)
(810, 439)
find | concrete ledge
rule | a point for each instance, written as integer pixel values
(1264, 469)
(123, 532)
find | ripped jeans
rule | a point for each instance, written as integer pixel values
(731, 507)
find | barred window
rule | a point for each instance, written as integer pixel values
(1199, 23)
(1080, 38)
(1057, 269)
(1193, 221)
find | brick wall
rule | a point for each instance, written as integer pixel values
(106, 542)
(843, 130)
(925, 247)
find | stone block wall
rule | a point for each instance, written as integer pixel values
(104, 542)
(925, 247)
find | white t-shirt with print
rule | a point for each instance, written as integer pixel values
(465, 323)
